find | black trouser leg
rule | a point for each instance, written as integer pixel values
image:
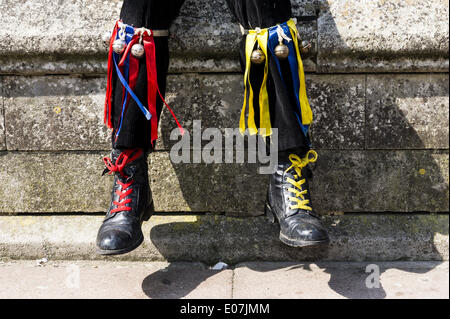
(282, 100)
(152, 14)
(131, 198)
(288, 199)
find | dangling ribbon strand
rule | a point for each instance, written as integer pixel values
(259, 36)
(108, 100)
(306, 112)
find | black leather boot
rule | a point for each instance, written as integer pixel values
(131, 202)
(288, 201)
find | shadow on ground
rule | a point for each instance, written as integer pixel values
(178, 282)
(354, 190)
(213, 238)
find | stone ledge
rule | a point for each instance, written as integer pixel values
(210, 239)
(344, 181)
(350, 36)
(392, 35)
(57, 45)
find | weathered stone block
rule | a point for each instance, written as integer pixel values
(338, 104)
(53, 182)
(66, 113)
(375, 36)
(216, 100)
(354, 181)
(352, 36)
(72, 27)
(407, 111)
(220, 188)
(381, 181)
(188, 64)
(344, 181)
(55, 113)
(402, 112)
(217, 31)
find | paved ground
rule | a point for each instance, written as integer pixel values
(108, 279)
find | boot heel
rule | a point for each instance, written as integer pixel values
(269, 214)
(149, 212)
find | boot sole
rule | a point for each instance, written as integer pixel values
(148, 213)
(302, 243)
(122, 250)
(290, 242)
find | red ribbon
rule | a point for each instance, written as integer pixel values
(152, 79)
(152, 83)
(108, 100)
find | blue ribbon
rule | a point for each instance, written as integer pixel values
(292, 59)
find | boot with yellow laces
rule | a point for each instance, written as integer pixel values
(289, 202)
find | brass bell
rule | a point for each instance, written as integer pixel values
(106, 37)
(258, 56)
(119, 46)
(305, 47)
(137, 50)
(281, 51)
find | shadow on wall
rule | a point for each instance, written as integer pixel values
(387, 167)
(369, 130)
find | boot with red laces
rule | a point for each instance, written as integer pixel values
(131, 202)
(289, 202)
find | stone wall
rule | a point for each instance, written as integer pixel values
(377, 81)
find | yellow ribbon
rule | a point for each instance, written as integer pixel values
(307, 116)
(261, 36)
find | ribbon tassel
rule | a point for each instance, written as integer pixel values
(267, 40)
(259, 36)
(152, 83)
(306, 112)
(127, 70)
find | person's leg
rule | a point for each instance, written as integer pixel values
(155, 15)
(132, 133)
(288, 197)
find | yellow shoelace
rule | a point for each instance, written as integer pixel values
(298, 164)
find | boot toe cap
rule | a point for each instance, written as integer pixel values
(304, 230)
(310, 232)
(113, 239)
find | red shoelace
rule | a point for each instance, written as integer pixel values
(122, 204)
(125, 158)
